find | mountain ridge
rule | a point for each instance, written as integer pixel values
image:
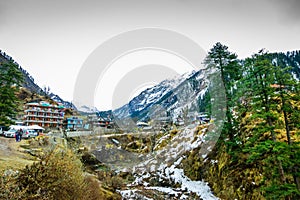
(168, 98)
(30, 84)
(165, 96)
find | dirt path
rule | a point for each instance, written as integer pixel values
(11, 156)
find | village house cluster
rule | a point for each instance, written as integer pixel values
(55, 116)
(50, 116)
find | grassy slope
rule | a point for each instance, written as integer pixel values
(11, 155)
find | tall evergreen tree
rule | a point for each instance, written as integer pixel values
(220, 58)
(11, 79)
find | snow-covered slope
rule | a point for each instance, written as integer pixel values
(169, 96)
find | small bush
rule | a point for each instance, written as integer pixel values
(173, 132)
(58, 175)
(9, 188)
(93, 189)
(111, 181)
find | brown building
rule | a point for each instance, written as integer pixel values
(44, 114)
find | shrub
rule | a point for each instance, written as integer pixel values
(9, 188)
(58, 175)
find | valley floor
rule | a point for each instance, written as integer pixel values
(156, 175)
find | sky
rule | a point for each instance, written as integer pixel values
(53, 40)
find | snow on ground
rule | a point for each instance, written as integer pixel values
(184, 141)
(165, 190)
(132, 194)
(176, 176)
(199, 187)
(159, 168)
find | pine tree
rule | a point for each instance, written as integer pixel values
(11, 79)
(220, 58)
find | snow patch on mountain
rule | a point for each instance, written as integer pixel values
(87, 109)
(171, 95)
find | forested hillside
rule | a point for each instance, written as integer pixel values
(28, 80)
(27, 89)
(258, 153)
(291, 59)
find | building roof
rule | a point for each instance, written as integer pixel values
(44, 104)
(36, 127)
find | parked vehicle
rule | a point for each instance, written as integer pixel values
(10, 133)
(27, 131)
(29, 134)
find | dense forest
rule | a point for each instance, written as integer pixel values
(258, 152)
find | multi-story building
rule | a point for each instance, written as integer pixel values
(94, 121)
(73, 123)
(44, 114)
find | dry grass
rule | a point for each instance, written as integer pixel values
(11, 155)
(53, 174)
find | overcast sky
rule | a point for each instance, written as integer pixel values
(52, 39)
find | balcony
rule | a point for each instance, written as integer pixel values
(33, 120)
(42, 110)
(30, 115)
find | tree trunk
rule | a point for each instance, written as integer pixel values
(280, 168)
(270, 123)
(294, 169)
(228, 114)
(288, 135)
(286, 122)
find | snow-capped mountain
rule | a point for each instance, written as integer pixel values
(58, 99)
(169, 97)
(87, 110)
